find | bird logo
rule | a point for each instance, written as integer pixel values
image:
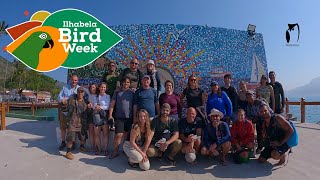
(291, 28)
(67, 38)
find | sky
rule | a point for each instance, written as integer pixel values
(294, 65)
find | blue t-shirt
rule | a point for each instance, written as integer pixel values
(146, 99)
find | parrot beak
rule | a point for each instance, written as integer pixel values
(48, 44)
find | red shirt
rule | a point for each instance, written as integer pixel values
(242, 132)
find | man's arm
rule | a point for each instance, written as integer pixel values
(285, 125)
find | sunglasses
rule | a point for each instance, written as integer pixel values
(134, 63)
(111, 65)
(193, 80)
(215, 115)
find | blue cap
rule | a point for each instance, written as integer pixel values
(214, 83)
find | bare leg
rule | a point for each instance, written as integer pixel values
(91, 136)
(105, 129)
(97, 130)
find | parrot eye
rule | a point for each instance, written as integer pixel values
(43, 36)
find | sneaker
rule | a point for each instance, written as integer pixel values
(69, 156)
(112, 128)
(62, 145)
(258, 151)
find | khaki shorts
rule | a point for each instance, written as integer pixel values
(63, 122)
(71, 136)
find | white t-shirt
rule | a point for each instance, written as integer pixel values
(104, 101)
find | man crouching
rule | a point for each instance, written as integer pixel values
(216, 137)
(276, 132)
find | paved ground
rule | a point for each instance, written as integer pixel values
(28, 150)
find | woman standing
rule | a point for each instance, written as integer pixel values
(242, 103)
(93, 92)
(172, 99)
(138, 142)
(266, 92)
(100, 118)
(219, 100)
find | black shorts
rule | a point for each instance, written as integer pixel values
(266, 153)
(122, 125)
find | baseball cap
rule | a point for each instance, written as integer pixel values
(80, 89)
(166, 105)
(213, 83)
(250, 92)
(146, 76)
(150, 62)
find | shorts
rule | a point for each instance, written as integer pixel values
(122, 125)
(266, 153)
(71, 136)
(63, 122)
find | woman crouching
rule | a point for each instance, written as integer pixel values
(138, 141)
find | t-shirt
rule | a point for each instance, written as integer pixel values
(146, 99)
(124, 103)
(111, 81)
(186, 128)
(173, 100)
(194, 97)
(135, 77)
(279, 101)
(163, 130)
(233, 95)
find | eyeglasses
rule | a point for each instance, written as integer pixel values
(134, 63)
(193, 79)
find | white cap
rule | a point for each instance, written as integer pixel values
(150, 62)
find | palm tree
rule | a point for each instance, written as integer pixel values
(3, 27)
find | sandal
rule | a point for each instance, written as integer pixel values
(171, 161)
(106, 153)
(114, 155)
(133, 165)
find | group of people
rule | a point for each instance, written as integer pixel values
(153, 125)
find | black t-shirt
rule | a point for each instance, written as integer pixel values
(233, 96)
(194, 97)
(163, 130)
(186, 128)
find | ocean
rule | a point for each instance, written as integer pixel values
(312, 111)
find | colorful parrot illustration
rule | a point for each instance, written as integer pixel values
(39, 49)
(30, 49)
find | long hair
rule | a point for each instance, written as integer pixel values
(219, 91)
(147, 125)
(97, 88)
(189, 79)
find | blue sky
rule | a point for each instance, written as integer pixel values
(294, 66)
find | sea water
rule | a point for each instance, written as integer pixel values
(312, 111)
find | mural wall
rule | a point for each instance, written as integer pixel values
(180, 50)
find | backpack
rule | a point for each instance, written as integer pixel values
(294, 138)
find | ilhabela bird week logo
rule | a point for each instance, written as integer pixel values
(67, 38)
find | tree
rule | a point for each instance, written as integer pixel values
(3, 27)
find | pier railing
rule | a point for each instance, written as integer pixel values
(302, 105)
(3, 116)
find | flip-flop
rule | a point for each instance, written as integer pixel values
(114, 155)
(133, 165)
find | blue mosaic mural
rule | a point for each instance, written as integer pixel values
(180, 50)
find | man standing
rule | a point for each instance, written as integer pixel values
(154, 76)
(278, 91)
(66, 93)
(146, 98)
(190, 129)
(76, 120)
(165, 136)
(232, 94)
(110, 77)
(277, 131)
(133, 73)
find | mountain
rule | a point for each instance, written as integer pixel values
(309, 90)
(3, 66)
